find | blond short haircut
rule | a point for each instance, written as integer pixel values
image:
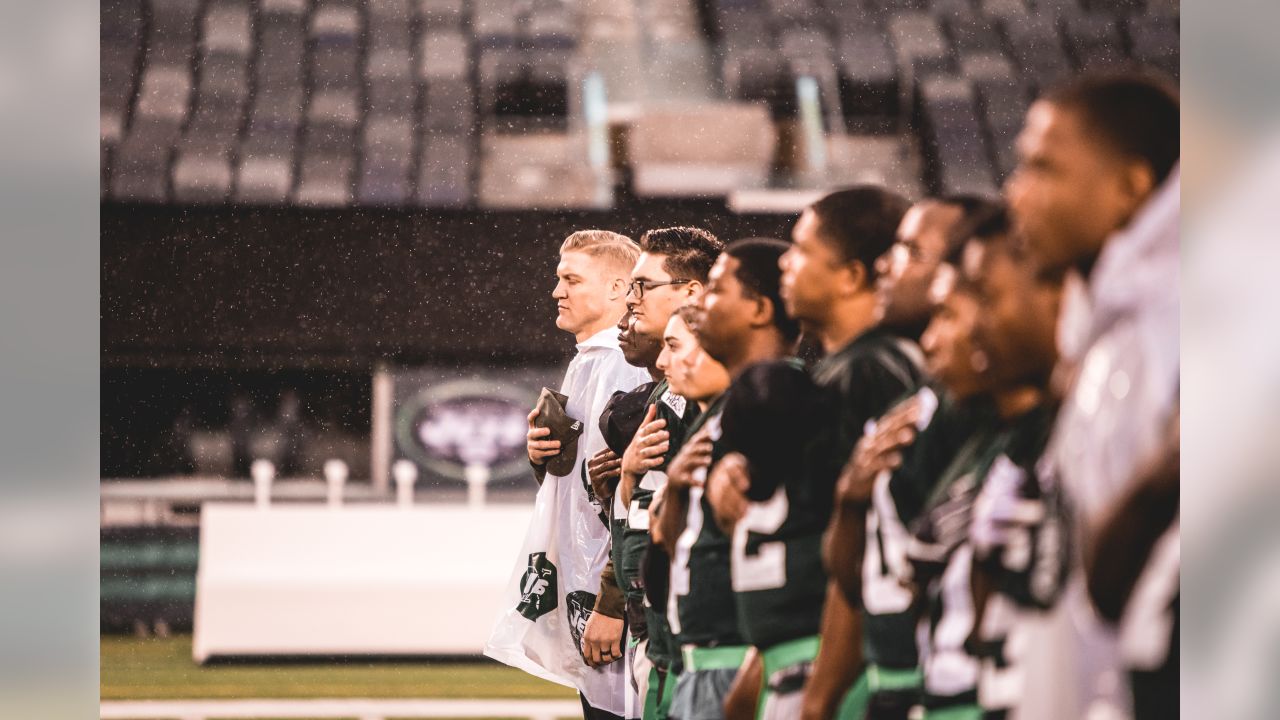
(619, 251)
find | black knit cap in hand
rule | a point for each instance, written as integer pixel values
(552, 414)
(622, 417)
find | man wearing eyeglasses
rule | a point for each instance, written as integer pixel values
(671, 272)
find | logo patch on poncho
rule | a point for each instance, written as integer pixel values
(538, 588)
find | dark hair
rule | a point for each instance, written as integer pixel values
(860, 222)
(690, 314)
(993, 229)
(690, 252)
(761, 277)
(979, 215)
(1134, 113)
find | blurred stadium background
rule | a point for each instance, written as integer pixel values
(328, 229)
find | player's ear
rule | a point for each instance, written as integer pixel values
(1137, 182)
(762, 312)
(618, 289)
(854, 278)
(693, 290)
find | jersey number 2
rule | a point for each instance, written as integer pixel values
(766, 569)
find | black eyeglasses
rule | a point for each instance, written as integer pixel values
(638, 287)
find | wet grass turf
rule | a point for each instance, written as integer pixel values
(162, 669)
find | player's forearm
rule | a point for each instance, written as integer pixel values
(839, 658)
(740, 702)
(842, 549)
(611, 601)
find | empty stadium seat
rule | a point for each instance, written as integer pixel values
(171, 33)
(324, 179)
(202, 173)
(920, 45)
(449, 107)
(1156, 43)
(263, 178)
(1094, 41)
(387, 155)
(956, 159)
(283, 7)
(1037, 48)
(140, 169)
(760, 74)
(868, 83)
(392, 95)
(227, 30)
(707, 150)
(444, 55)
(165, 93)
(741, 28)
(445, 171)
(972, 34)
(494, 23)
(441, 13)
(549, 25)
(1004, 9)
(542, 170)
(1003, 106)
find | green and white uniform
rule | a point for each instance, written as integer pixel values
(890, 686)
(700, 607)
(1021, 549)
(797, 436)
(773, 414)
(861, 381)
(942, 558)
(648, 630)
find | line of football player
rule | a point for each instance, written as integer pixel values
(919, 461)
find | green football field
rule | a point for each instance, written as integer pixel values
(162, 668)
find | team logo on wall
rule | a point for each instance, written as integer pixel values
(538, 588)
(580, 605)
(447, 427)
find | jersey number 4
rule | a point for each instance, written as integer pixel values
(766, 568)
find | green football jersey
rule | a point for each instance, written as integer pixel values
(633, 540)
(888, 628)
(797, 431)
(779, 584)
(862, 381)
(700, 608)
(630, 546)
(942, 553)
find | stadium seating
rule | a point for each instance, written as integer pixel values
(336, 103)
(705, 150)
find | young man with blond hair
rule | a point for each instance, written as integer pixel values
(558, 571)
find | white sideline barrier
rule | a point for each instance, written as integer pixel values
(338, 708)
(363, 580)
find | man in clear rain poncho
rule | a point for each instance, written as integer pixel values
(552, 588)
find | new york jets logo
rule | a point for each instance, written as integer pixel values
(538, 587)
(581, 603)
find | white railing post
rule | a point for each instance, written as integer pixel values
(405, 474)
(477, 475)
(335, 474)
(263, 472)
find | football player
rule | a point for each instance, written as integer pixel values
(828, 285)
(741, 323)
